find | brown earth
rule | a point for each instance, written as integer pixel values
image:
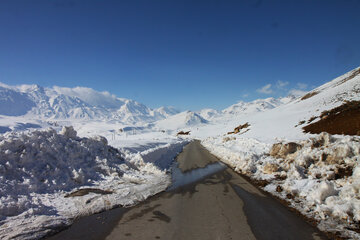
(183, 133)
(238, 128)
(353, 74)
(309, 95)
(344, 119)
(85, 191)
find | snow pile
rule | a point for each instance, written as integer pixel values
(242, 154)
(45, 161)
(48, 179)
(319, 176)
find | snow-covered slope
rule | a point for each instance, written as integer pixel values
(319, 175)
(210, 118)
(181, 120)
(14, 103)
(281, 121)
(271, 119)
(258, 105)
(165, 111)
(208, 113)
(62, 103)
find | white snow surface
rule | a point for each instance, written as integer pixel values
(258, 105)
(181, 120)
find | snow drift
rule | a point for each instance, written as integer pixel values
(47, 179)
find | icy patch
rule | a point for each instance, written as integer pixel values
(180, 179)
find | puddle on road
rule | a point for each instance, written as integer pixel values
(180, 178)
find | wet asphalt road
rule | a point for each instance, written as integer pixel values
(214, 203)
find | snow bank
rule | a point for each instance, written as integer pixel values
(240, 153)
(159, 156)
(319, 176)
(47, 179)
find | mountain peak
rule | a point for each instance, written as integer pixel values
(73, 103)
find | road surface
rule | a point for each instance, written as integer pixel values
(219, 205)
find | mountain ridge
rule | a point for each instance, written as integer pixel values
(74, 103)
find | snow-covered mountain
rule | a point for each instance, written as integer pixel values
(208, 113)
(75, 103)
(181, 120)
(258, 105)
(14, 103)
(81, 103)
(165, 111)
(188, 119)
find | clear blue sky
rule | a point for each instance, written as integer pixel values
(187, 54)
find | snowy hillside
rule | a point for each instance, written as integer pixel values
(208, 113)
(181, 120)
(317, 174)
(281, 121)
(209, 118)
(258, 105)
(165, 111)
(33, 101)
(13, 103)
(271, 119)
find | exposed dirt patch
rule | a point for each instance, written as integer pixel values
(311, 119)
(343, 172)
(270, 168)
(183, 133)
(281, 150)
(84, 191)
(238, 128)
(344, 119)
(309, 95)
(300, 123)
(279, 188)
(261, 183)
(352, 75)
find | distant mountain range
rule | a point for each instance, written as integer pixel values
(81, 103)
(75, 103)
(60, 103)
(258, 105)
